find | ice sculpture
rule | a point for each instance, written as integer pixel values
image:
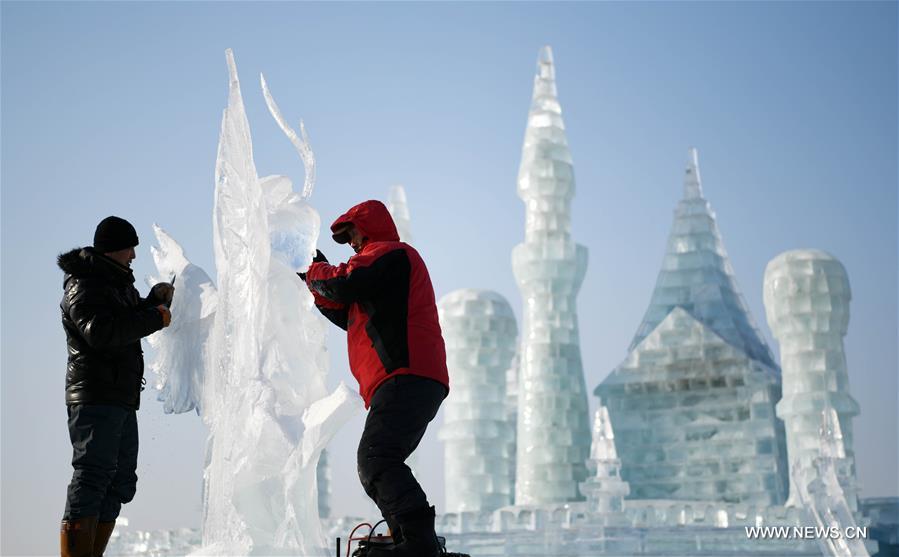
(807, 303)
(179, 361)
(399, 210)
(819, 492)
(553, 440)
(480, 332)
(693, 401)
(263, 358)
(604, 489)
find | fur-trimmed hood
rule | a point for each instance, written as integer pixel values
(85, 262)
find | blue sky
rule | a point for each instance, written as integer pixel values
(114, 108)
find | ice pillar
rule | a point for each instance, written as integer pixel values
(479, 329)
(553, 419)
(807, 304)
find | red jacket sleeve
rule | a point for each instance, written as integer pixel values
(357, 279)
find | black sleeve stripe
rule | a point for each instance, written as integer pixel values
(363, 283)
(339, 317)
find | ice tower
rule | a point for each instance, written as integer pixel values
(480, 331)
(553, 421)
(693, 402)
(399, 210)
(807, 303)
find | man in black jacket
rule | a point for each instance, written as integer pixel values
(104, 318)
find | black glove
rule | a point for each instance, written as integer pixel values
(162, 293)
(319, 258)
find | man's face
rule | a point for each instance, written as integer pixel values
(122, 256)
(357, 240)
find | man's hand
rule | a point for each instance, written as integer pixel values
(319, 257)
(163, 292)
(166, 315)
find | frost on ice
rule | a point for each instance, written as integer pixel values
(249, 355)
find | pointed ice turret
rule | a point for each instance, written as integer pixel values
(553, 440)
(399, 210)
(694, 400)
(604, 489)
(697, 276)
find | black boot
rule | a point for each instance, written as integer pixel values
(419, 538)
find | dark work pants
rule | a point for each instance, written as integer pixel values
(398, 416)
(104, 456)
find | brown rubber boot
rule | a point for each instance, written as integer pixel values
(104, 530)
(76, 537)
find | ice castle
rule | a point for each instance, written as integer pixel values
(700, 437)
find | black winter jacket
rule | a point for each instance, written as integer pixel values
(104, 318)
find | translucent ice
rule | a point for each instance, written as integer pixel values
(819, 490)
(807, 303)
(180, 348)
(264, 363)
(553, 439)
(480, 332)
(399, 210)
(604, 489)
(698, 370)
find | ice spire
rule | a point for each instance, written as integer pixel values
(697, 276)
(698, 369)
(399, 210)
(549, 268)
(692, 181)
(604, 489)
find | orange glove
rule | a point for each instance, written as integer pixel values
(166, 315)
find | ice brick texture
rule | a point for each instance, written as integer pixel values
(807, 304)
(480, 331)
(553, 440)
(604, 489)
(693, 402)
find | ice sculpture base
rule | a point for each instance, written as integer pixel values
(653, 528)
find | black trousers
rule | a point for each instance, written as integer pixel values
(398, 416)
(104, 456)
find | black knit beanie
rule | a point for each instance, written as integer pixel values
(114, 234)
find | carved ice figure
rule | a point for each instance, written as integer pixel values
(260, 346)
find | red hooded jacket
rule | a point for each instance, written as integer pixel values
(384, 299)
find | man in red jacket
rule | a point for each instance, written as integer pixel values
(384, 299)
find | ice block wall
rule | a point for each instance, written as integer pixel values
(553, 440)
(807, 304)
(480, 331)
(693, 401)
